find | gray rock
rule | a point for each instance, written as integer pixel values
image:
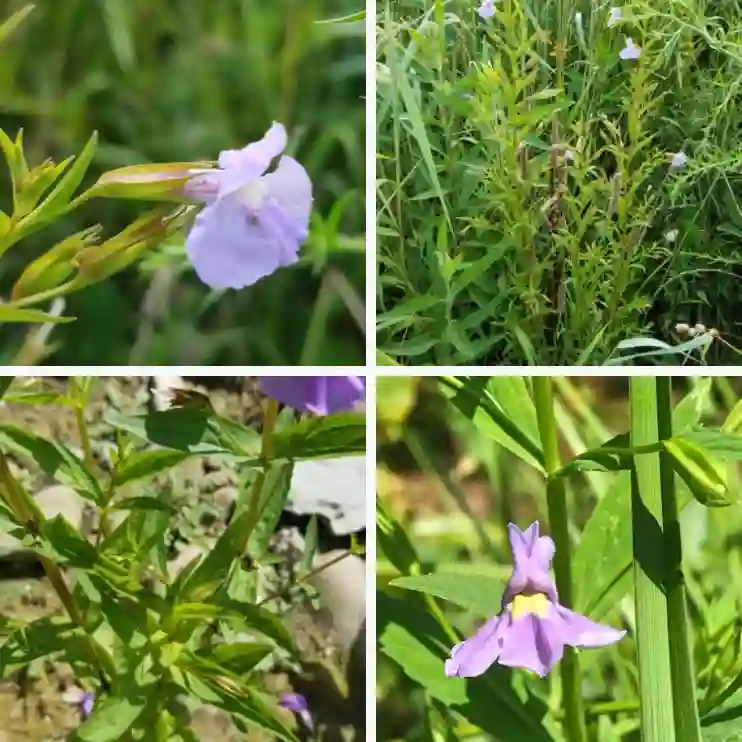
(342, 589)
(334, 489)
(55, 500)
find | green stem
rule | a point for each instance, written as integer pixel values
(556, 499)
(687, 725)
(255, 506)
(652, 638)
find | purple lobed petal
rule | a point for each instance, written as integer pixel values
(253, 222)
(230, 249)
(321, 395)
(532, 555)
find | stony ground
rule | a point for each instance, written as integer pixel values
(34, 706)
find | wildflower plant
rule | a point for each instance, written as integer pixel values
(494, 245)
(147, 645)
(234, 220)
(609, 629)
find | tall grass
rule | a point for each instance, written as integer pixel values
(182, 80)
(528, 210)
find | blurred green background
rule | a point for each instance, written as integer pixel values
(182, 80)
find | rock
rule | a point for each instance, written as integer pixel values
(177, 565)
(334, 489)
(342, 589)
(55, 500)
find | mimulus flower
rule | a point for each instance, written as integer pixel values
(254, 220)
(298, 704)
(678, 160)
(321, 395)
(487, 9)
(615, 15)
(86, 704)
(569, 155)
(631, 50)
(532, 629)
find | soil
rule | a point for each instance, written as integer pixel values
(35, 704)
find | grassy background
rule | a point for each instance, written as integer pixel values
(493, 248)
(182, 80)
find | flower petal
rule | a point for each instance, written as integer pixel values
(229, 249)
(290, 186)
(476, 654)
(257, 155)
(528, 644)
(579, 631)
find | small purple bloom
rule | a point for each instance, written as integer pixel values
(487, 9)
(678, 160)
(631, 50)
(569, 156)
(298, 704)
(532, 629)
(321, 395)
(253, 221)
(616, 15)
(86, 704)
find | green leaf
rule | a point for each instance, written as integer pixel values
(239, 658)
(705, 476)
(40, 638)
(58, 200)
(191, 429)
(394, 543)
(476, 402)
(14, 21)
(55, 460)
(9, 313)
(274, 495)
(478, 594)
(201, 679)
(341, 434)
(602, 562)
(724, 724)
(142, 464)
(110, 720)
(414, 640)
(144, 503)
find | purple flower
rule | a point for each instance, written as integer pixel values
(298, 704)
(87, 701)
(532, 629)
(321, 395)
(678, 160)
(631, 50)
(254, 221)
(616, 15)
(487, 9)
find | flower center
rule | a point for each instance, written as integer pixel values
(253, 194)
(537, 604)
